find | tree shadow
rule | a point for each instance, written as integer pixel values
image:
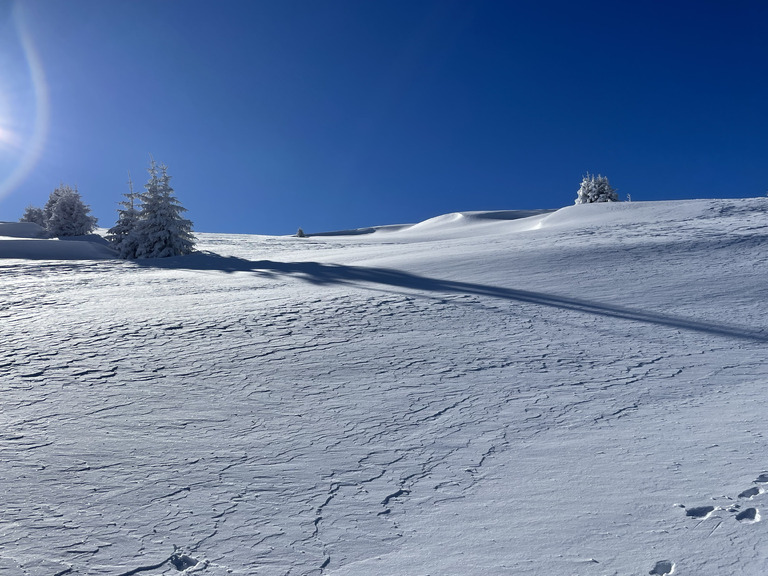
(336, 274)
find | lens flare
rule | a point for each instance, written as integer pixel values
(33, 147)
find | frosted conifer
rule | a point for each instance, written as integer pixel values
(66, 214)
(35, 215)
(161, 231)
(122, 234)
(596, 189)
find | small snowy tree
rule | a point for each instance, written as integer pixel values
(66, 214)
(596, 189)
(122, 234)
(161, 231)
(35, 215)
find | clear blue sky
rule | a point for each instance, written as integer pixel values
(274, 114)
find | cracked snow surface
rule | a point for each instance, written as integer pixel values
(579, 392)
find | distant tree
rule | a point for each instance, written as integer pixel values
(35, 215)
(596, 189)
(300, 233)
(122, 235)
(161, 231)
(66, 214)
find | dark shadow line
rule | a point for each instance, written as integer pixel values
(336, 274)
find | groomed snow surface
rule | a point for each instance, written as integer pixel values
(575, 392)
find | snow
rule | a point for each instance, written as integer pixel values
(28, 241)
(21, 230)
(568, 392)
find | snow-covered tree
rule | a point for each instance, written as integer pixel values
(35, 215)
(161, 231)
(596, 189)
(66, 214)
(122, 234)
(52, 199)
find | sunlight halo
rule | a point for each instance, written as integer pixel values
(32, 149)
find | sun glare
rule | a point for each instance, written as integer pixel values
(9, 138)
(6, 138)
(29, 146)
(6, 134)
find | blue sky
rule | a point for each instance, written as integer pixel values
(339, 114)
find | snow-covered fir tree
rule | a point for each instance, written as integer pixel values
(35, 215)
(52, 199)
(122, 234)
(66, 214)
(161, 231)
(596, 189)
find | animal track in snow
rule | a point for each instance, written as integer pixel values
(663, 567)
(763, 478)
(750, 515)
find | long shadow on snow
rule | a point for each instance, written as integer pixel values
(336, 274)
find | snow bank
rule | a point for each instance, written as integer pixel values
(54, 249)
(28, 241)
(21, 230)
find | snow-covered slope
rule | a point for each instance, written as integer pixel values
(575, 392)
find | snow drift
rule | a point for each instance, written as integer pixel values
(28, 241)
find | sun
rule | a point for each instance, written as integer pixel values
(8, 139)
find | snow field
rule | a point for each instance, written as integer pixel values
(566, 393)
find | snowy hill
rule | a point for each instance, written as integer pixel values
(569, 392)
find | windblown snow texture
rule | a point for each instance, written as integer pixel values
(577, 392)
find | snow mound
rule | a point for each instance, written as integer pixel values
(29, 241)
(38, 249)
(445, 223)
(22, 230)
(462, 220)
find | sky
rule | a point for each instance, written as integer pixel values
(335, 114)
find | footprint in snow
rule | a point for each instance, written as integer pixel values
(750, 516)
(700, 511)
(750, 492)
(662, 568)
(181, 561)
